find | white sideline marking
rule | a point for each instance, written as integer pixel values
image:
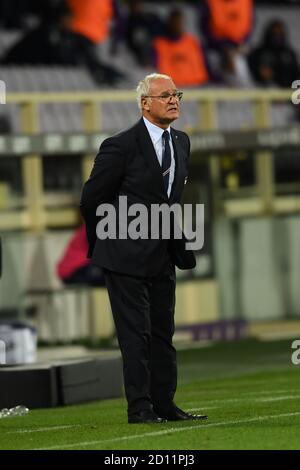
(50, 428)
(238, 400)
(271, 399)
(243, 397)
(272, 392)
(220, 402)
(202, 409)
(172, 430)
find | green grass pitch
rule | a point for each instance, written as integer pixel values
(249, 389)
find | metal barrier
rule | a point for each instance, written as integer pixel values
(35, 216)
(195, 299)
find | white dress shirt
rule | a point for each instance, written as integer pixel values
(157, 140)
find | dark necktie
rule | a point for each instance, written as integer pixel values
(166, 159)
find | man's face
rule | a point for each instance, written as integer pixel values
(161, 110)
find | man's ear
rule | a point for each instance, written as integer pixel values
(145, 104)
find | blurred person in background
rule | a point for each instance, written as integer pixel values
(147, 164)
(234, 70)
(225, 26)
(41, 39)
(180, 54)
(141, 27)
(274, 62)
(86, 26)
(69, 34)
(226, 23)
(17, 14)
(74, 267)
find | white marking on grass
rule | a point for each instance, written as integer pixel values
(245, 399)
(244, 396)
(204, 408)
(227, 400)
(271, 399)
(171, 430)
(272, 392)
(50, 428)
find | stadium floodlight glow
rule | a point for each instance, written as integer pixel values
(2, 92)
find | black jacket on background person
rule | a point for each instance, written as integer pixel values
(127, 165)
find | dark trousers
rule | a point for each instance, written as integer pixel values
(143, 311)
(89, 275)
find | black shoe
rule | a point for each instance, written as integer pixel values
(176, 414)
(145, 416)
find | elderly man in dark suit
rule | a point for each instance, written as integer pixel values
(148, 164)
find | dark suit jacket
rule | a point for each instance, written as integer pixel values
(127, 165)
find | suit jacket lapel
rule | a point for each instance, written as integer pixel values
(149, 154)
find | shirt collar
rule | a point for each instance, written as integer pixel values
(155, 131)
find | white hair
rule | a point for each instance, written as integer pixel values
(144, 86)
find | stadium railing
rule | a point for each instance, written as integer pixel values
(35, 216)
